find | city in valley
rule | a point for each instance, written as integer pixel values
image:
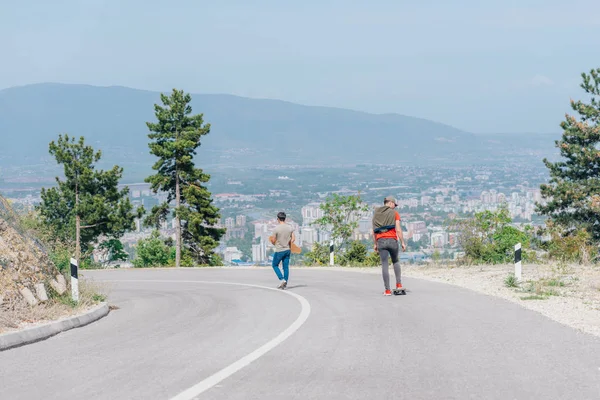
(428, 197)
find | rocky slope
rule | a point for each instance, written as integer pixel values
(26, 273)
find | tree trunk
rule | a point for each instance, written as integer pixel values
(177, 223)
(77, 227)
(77, 239)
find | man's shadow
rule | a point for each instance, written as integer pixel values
(295, 286)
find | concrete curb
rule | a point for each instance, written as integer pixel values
(37, 333)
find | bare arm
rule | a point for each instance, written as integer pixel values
(400, 235)
(374, 240)
(293, 239)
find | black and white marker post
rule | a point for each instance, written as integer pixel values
(74, 281)
(331, 252)
(518, 261)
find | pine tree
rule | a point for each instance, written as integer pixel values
(87, 204)
(174, 139)
(573, 193)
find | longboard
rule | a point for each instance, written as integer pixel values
(295, 249)
(399, 291)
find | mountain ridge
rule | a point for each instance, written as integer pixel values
(244, 131)
(228, 95)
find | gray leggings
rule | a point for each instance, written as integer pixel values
(387, 248)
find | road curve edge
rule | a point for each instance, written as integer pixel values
(34, 334)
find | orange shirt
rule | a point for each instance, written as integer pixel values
(391, 234)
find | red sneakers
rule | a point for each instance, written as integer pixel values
(387, 293)
(399, 286)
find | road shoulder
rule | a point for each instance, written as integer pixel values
(37, 333)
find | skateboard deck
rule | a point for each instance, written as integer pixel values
(399, 291)
(295, 249)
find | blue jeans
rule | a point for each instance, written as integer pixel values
(284, 257)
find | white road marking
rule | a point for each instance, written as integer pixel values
(207, 383)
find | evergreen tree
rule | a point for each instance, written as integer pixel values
(573, 193)
(88, 203)
(174, 139)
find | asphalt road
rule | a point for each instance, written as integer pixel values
(331, 335)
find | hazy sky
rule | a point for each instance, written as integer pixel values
(480, 65)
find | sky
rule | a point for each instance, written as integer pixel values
(493, 66)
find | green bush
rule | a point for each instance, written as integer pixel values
(216, 261)
(569, 246)
(487, 238)
(373, 259)
(153, 252)
(356, 254)
(318, 256)
(61, 258)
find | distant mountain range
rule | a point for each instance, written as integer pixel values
(244, 131)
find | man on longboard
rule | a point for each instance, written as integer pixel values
(283, 237)
(387, 233)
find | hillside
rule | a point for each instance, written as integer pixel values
(244, 131)
(32, 289)
(24, 266)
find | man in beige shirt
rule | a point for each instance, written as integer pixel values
(283, 236)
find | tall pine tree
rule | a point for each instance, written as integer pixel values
(88, 203)
(174, 139)
(573, 193)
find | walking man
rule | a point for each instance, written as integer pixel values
(283, 236)
(387, 233)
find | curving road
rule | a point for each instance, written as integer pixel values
(212, 334)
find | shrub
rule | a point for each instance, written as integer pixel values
(356, 254)
(570, 246)
(153, 252)
(488, 238)
(319, 255)
(372, 259)
(511, 281)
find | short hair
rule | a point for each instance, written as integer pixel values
(281, 216)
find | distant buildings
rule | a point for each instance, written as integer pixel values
(418, 227)
(439, 239)
(236, 227)
(310, 213)
(240, 220)
(232, 253)
(259, 252)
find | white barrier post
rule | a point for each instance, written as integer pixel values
(74, 281)
(331, 253)
(518, 261)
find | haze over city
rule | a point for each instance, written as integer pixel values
(310, 199)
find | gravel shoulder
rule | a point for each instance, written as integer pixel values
(568, 294)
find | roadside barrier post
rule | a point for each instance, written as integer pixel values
(331, 253)
(518, 261)
(74, 281)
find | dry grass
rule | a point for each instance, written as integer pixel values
(15, 313)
